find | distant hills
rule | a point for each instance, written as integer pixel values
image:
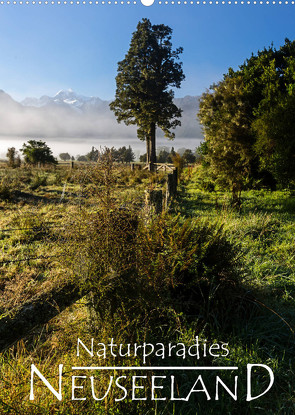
(69, 115)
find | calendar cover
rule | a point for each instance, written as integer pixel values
(147, 206)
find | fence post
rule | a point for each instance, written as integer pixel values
(171, 186)
(151, 167)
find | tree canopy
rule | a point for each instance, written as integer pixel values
(37, 152)
(248, 120)
(143, 97)
(65, 156)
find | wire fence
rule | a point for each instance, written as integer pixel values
(34, 228)
(28, 259)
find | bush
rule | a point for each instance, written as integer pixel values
(6, 191)
(140, 272)
(204, 179)
(38, 180)
(145, 273)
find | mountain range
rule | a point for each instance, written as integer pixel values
(68, 115)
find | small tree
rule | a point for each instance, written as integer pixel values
(129, 156)
(65, 156)
(163, 156)
(120, 154)
(37, 152)
(13, 157)
(188, 156)
(92, 155)
(142, 97)
(81, 158)
(142, 158)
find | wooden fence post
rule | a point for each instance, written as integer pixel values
(151, 167)
(171, 186)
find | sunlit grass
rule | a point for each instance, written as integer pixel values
(264, 231)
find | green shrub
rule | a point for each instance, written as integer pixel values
(147, 273)
(38, 180)
(6, 189)
(203, 179)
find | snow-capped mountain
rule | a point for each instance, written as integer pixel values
(66, 98)
(70, 115)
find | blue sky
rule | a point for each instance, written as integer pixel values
(50, 47)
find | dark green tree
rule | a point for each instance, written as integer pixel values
(142, 158)
(275, 144)
(188, 156)
(37, 152)
(143, 97)
(129, 156)
(163, 156)
(121, 154)
(248, 121)
(92, 155)
(224, 114)
(81, 158)
(269, 78)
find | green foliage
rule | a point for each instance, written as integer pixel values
(203, 179)
(165, 156)
(38, 180)
(224, 115)
(82, 158)
(275, 144)
(179, 280)
(120, 155)
(147, 272)
(92, 155)
(31, 226)
(188, 156)
(37, 152)
(123, 154)
(6, 189)
(178, 162)
(248, 122)
(142, 98)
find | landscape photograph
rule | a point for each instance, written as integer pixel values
(147, 207)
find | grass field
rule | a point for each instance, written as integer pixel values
(243, 285)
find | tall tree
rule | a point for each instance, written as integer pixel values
(143, 97)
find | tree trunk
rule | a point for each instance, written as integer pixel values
(151, 145)
(148, 149)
